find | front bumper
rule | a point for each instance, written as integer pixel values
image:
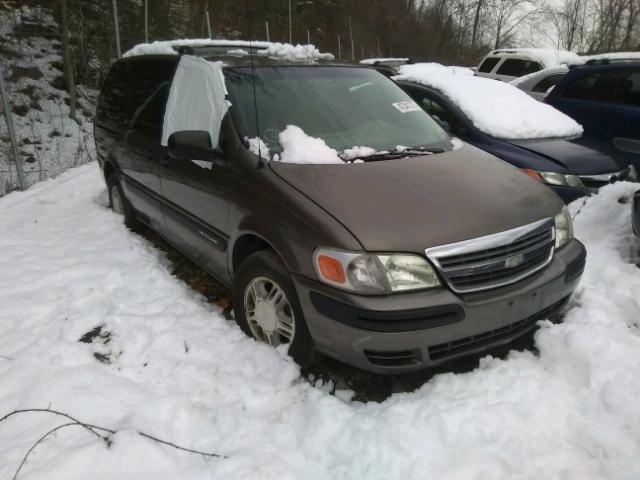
(398, 333)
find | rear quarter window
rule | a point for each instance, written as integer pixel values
(516, 67)
(487, 65)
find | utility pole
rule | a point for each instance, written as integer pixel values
(379, 51)
(353, 52)
(290, 25)
(68, 64)
(116, 27)
(339, 49)
(146, 21)
(266, 24)
(206, 16)
(308, 37)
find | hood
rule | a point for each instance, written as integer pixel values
(407, 205)
(580, 156)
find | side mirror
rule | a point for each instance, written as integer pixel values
(192, 145)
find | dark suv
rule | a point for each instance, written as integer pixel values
(604, 96)
(285, 181)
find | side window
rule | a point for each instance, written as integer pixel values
(114, 106)
(437, 111)
(488, 64)
(551, 81)
(149, 83)
(618, 86)
(517, 67)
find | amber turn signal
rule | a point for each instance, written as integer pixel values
(331, 269)
(532, 173)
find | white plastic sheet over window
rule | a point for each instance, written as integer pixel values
(197, 99)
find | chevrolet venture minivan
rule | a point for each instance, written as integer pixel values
(338, 212)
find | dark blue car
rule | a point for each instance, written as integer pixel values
(604, 96)
(573, 166)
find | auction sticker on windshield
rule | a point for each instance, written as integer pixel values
(407, 106)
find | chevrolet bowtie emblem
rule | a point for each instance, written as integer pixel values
(514, 261)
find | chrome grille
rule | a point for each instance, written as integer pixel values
(495, 260)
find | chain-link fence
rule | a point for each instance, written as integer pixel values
(48, 141)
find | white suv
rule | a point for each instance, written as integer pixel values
(509, 64)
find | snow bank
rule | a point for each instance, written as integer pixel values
(496, 108)
(176, 369)
(547, 57)
(279, 50)
(298, 147)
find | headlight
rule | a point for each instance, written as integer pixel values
(564, 227)
(553, 178)
(374, 273)
(633, 174)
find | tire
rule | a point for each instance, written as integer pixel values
(253, 275)
(119, 203)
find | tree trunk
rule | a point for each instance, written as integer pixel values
(476, 20)
(68, 64)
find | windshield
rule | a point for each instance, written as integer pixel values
(344, 106)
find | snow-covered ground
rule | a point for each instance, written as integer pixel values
(168, 364)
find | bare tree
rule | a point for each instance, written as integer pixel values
(66, 55)
(509, 15)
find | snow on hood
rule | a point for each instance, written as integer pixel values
(278, 50)
(496, 108)
(373, 61)
(298, 147)
(548, 57)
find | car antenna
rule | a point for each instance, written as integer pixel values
(253, 79)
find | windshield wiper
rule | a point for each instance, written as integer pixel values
(407, 152)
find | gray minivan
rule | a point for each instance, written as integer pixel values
(362, 233)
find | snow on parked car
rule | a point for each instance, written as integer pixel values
(496, 108)
(509, 63)
(283, 51)
(173, 367)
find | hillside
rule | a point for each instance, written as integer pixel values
(49, 142)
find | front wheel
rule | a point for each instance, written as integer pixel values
(266, 306)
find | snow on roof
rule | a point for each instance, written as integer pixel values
(612, 56)
(496, 108)
(539, 74)
(278, 50)
(373, 61)
(548, 57)
(290, 52)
